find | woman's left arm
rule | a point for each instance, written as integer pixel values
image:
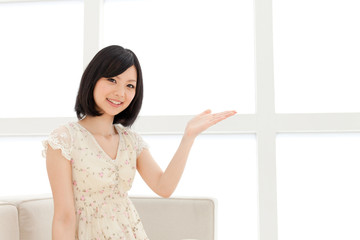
(164, 183)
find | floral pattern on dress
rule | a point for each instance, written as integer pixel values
(100, 184)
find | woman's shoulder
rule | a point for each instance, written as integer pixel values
(127, 131)
(60, 138)
(68, 132)
(135, 137)
(67, 128)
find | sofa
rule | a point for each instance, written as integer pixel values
(30, 217)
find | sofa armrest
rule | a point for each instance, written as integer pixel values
(9, 224)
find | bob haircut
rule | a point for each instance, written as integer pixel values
(109, 62)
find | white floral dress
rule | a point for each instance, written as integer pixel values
(100, 184)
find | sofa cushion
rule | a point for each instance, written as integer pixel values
(9, 227)
(177, 218)
(35, 219)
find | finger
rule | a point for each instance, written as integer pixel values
(226, 114)
(208, 111)
(221, 116)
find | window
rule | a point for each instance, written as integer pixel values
(316, 56)
(23, 170)
(318, 193)
(195, 54)
(41, 58)
(304, 67)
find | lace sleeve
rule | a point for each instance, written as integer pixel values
(59, 139)
(139, 142)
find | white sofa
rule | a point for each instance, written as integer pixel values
(30, 217)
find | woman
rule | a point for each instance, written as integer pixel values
(91, 163)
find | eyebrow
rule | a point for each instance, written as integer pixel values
(130, 80)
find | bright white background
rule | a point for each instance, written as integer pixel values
(318, 186)
(317, 56)
(289, 68)
(41, 58)
(195, 54)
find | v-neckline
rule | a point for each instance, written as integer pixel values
(98, 145)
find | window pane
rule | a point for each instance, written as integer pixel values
(318, 186)
(41, 58)
(317, 55)
(219, 166)
(195, 54)
(22, 168)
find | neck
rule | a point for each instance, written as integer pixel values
(100, 125)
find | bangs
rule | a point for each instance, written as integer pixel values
(119, 64)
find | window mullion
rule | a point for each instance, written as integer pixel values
(265, 111)
(93, 28)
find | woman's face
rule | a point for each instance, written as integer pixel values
(113, 95)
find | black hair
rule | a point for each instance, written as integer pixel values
(109, 62)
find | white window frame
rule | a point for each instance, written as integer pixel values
(265, 123)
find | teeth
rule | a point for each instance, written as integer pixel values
(114, 102)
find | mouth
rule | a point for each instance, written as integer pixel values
(114, 102)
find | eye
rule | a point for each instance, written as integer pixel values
(112, 80)
(131, 86)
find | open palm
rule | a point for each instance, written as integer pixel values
(204, 120)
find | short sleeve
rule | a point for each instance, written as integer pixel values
(139, 142)
(60, 138)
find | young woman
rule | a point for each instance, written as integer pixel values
(91, 163)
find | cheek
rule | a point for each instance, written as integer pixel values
(131, 95)
(98, 90)
(95, 95)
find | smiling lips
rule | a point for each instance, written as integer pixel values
(114, 102)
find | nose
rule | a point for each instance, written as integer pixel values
(120, 92)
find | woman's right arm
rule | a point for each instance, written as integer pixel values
(59, 173)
